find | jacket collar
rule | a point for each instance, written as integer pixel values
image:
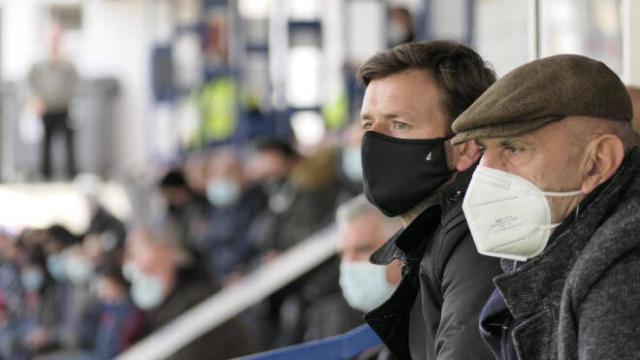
(537, 283)
(445, 205)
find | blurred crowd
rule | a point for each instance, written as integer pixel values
(226, 211)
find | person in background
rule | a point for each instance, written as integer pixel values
(11, 299)
(56, 239)
(166, 282)
(303, 305)
(52, 83)
(176, 194)
(50, 323)
(194, 169)
(556, 195)
(315, 186)
(185, 208)
(362, 229)
(70, 306)
(270, 165)
(38, 289)
(413, 94)
(105, 233)
(237, 204)
(400, 26)
(298, 206)
(77, 329)
(271, 162)
(120, 320)
(351, 162)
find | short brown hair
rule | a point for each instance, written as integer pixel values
(457, 69)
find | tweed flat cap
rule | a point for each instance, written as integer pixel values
(541, 92)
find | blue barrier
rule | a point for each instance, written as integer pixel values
(341, 347)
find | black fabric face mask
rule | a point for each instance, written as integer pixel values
(399, 173)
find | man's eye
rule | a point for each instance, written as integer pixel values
(513, 149)
(366, 126)
(397, 125)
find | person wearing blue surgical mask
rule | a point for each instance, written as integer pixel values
(57, 238)
(166, 281)
(236, 203)
(362, 230)
(120, 320)
(32, 278)
(225, 180)
(78, 268)
(351, 172)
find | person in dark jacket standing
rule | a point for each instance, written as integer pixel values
(52, 83)
(413, 94)
(557, 195)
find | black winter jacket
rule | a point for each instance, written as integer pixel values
(434, 312)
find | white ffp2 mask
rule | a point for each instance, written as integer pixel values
(508, 216)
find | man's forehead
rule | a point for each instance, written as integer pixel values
(535, 136)
(392, 91)
(500, 140)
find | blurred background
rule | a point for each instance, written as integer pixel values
(154, 153)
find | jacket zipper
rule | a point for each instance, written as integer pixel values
(505, 329)
(503, 340)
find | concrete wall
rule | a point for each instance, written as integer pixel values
(502, 33)
(632, 54)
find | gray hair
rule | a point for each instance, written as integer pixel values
(166, 236)
(358, 207)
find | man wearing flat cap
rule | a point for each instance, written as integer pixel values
(557, 196)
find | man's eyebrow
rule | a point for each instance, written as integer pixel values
(367, 116)
(507, 142)
(512, 141)
(479, 143)
(390, 115)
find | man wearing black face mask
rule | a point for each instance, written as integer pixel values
(413, 94)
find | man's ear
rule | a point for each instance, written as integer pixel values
(603, 161)
(465, 155)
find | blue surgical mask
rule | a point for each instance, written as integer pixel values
(55, 266)
(109, 241)
(147, 291)
(223, 192)
(32, 279)
(364, 285)
(129, 271)
(78, 269)
(352, 164)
